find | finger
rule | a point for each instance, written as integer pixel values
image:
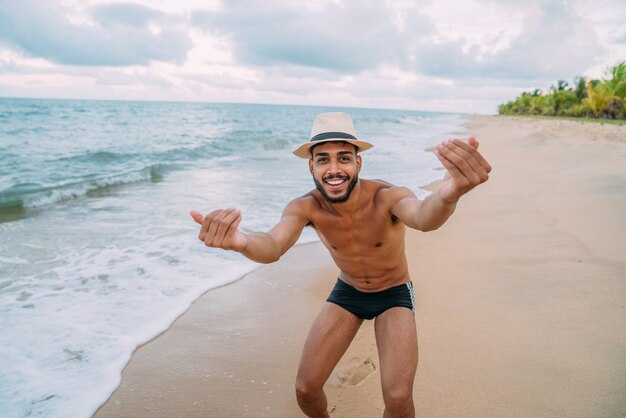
(466, 146)
(461, 183)
(224, 226)
(456, 157)
(473, 151)
(215, 224)
(197, 216)
(473, 142)
(204, 229)
(232, 229)
(476, 171)
(235, 225)
(448, 165)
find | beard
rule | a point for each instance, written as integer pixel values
(339, 199)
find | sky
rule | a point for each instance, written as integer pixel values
(434, 55)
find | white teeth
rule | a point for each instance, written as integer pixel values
(334, 182)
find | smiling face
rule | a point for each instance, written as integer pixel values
(335, 169)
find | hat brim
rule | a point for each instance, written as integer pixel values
(304, 150)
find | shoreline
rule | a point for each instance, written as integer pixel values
(186, 310)
(518, 302)
(240, 302)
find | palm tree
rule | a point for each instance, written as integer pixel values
(617, 80)
(560, 86)
(609, 94)
(581, 87)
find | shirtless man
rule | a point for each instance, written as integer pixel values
(362, 223)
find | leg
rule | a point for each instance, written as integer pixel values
(329, 338)
(396, 338)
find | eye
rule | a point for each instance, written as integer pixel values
(322, 160)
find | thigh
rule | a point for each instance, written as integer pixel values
(329, 338)
(396, 338)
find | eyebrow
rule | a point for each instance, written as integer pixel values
(326, 154)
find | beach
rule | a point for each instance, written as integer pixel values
(520, 302)
(93, 229)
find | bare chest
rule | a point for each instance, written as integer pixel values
(367, 231)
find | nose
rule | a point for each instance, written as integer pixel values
(333, 167)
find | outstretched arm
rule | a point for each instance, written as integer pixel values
(220, 230)
(466, 169)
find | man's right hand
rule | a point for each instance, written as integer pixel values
(219, 229)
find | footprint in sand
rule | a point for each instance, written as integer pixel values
(353, 371)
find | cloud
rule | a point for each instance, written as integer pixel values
(116, 35)
(124, 14)
(348, 37)
(554, 40)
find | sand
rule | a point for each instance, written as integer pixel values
(521, 302)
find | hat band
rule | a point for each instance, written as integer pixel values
(326, 135)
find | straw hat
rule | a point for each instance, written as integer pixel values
(334, 126)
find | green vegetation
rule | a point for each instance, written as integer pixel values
(598, 99)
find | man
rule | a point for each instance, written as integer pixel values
(362, 223)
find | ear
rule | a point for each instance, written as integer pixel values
(311, 165)
(359, 162)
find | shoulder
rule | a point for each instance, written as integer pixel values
(302, 205)
(389, 193)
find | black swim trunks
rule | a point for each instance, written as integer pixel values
(368, 305)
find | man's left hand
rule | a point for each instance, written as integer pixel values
(466, 168)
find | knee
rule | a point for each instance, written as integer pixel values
(398, 400)
(306, 390)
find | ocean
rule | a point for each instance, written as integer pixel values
(98, 253)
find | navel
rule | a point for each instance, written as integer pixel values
(379, 244)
